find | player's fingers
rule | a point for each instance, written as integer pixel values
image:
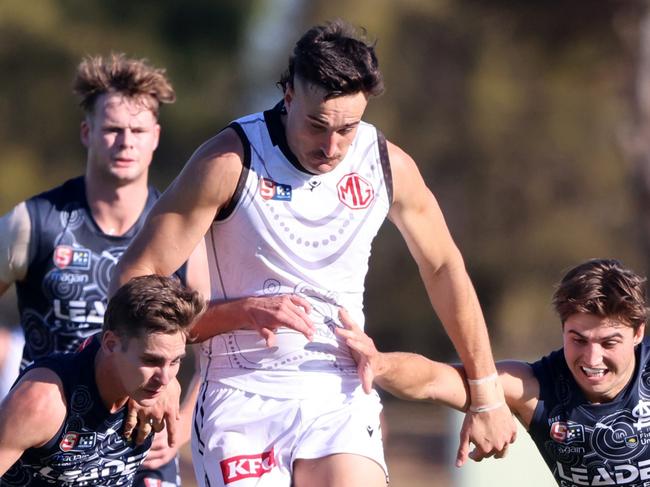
(171, 422)
(157, 425)
(301, 302)
(130, 420)
(463, 449)
(144, 430)
(367, 378)
(269, 336)
(502, 453)
(347, 321)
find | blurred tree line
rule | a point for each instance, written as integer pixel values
(514, 112)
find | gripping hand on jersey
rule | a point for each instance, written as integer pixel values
(268, 313)
(363, 349)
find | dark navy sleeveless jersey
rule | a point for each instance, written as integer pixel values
(89, 449)
(593, 444)
(63, 296)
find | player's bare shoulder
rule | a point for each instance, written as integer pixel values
(37, 404)
(520, 387)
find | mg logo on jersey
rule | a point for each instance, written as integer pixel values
(355, 192)
(67, 257)
(567, 433)
(642, 412)
(247, 466)
(270, 190)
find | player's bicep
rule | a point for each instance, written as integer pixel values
(15, 230)
(185, 211)
(30, 415)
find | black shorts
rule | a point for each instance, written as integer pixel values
(166, 475)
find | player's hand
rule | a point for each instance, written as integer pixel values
(490, 432)
(268, 313)
(164, 413)
(363, 349)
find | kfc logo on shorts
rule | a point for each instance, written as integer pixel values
(567, 433)
(247, 466)
(355, 192)
(67, 257)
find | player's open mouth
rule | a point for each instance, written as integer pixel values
(593, 373)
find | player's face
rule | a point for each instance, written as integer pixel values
(319, 131)
(600, 354)
(147, 364)
(121, 136)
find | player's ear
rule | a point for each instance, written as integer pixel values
(638, 334)
(111, 342)
(84, 130)
(288, 95)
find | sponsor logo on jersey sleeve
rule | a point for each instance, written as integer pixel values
(355, 192)
(567, 433)
(66, 257)
(270, 190)
(247, 466)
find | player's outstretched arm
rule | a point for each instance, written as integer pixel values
(413, 377)
(409, 376)
(185, 211)
(417, 215)
(30, 415)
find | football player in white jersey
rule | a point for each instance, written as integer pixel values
(288, 202)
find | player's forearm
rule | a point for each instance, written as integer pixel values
(455, 301)
(414, 377)
(220, 317)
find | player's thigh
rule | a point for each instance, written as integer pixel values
(338, 470)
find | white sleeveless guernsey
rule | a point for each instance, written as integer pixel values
(290, 231)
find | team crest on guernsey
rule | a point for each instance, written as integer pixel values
(355, 192)
(270, 190)
(67, 257)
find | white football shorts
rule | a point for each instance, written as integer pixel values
(242, 439)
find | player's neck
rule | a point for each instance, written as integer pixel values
(116, 208)
(110, 389)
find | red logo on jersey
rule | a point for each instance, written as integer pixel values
(247, 466)
(151, 482)
(62, 256)
(69, 441)
(355, 192)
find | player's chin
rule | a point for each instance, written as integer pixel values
(148, 397)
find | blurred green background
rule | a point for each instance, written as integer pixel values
(517, 113)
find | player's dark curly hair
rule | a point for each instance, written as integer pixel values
(335, 58)
(134, 78)
(152, 304)
(605, 288)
